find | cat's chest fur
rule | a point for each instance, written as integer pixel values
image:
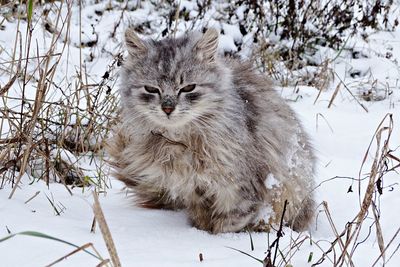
(187, 168)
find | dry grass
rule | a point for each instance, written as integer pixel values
(105, 231)
(47, 134)
(345, 245)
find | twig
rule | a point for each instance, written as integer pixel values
(334, 95)
(85, 246)
(32, 197)
(390, 242)
(279, 234)
(338, 237)
(348, 90)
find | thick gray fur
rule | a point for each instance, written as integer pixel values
(230, 153)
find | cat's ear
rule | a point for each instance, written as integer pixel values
(206, 47)
(135, 45)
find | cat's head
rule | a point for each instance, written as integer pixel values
(173, 81)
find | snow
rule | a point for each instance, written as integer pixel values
(340, 134)
(271, 181)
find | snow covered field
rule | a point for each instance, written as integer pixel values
(341, 136)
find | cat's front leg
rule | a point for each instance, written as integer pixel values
(155, 198)
(206, 217)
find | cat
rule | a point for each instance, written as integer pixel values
(210, 135)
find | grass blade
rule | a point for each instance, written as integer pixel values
(247, 254)
(30, 11)
(41, 235)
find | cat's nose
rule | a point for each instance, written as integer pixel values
(168, 109)
(168, 105)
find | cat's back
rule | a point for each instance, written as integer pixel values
(274, 125)
(263, 106)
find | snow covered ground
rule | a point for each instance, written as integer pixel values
(341, 135)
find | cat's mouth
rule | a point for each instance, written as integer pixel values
(168, 110)
(169, 114)
(172, 120)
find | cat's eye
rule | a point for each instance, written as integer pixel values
(151, 90)
(187, 88)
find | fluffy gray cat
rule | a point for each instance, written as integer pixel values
(210, 135)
